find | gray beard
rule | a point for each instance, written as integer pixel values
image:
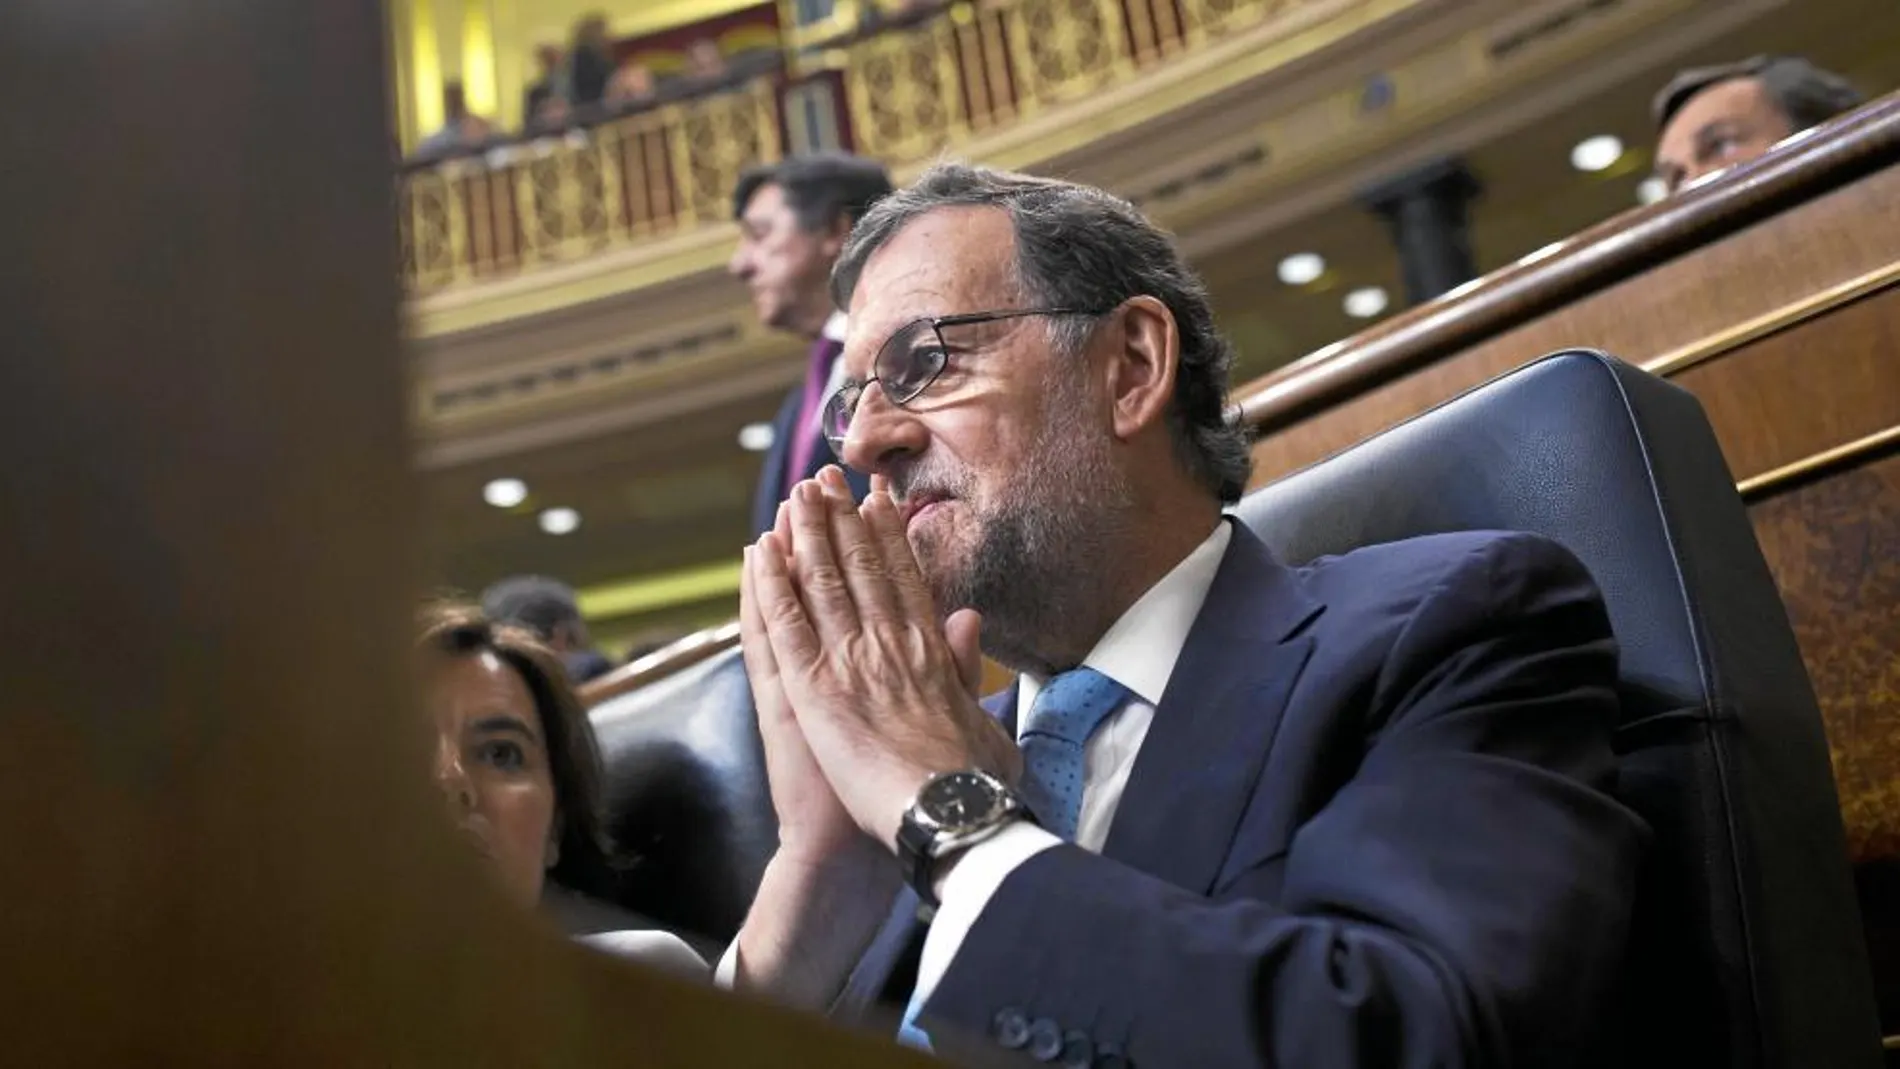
(1038, 570)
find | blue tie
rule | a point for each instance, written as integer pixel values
(1054, 736)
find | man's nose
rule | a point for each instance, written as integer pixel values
(740, 265)
(881, 433)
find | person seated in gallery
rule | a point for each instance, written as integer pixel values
(632, 88)
(520, 770)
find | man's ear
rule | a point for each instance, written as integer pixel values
(1143, 368)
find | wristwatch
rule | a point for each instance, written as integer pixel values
(953, 811)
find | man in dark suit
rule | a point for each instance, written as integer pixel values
(1233, 812)
(793, 219)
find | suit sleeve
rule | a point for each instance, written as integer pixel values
(1460, 901)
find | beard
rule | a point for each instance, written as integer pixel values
(1034, 566)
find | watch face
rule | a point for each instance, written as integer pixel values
(961, 801)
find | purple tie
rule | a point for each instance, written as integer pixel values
(804, 429)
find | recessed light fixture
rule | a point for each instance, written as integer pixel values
(1366, 302)
(1596, 153)
(756, 437)
(559, 521)
(1650, 190)
(505, 493)
(1301, 268)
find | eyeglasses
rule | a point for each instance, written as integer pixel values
(909, 361)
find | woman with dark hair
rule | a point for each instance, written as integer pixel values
(517, 762)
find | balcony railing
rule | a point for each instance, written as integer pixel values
(902, 97)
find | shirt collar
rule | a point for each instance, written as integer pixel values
(1140, 650)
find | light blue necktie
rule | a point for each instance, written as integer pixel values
(1053, 739)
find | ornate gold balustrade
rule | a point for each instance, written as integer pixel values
(559, 199)
(903, 96)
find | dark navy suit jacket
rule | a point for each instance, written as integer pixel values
(1371, 825)
(772, 486)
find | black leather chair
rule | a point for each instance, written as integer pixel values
(1747, 950)
(686, 795)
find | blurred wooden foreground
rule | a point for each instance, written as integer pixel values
(218, 846)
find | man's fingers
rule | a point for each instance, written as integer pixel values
(814, 568)
(859, 556)
(793, 641)
(964, 632)
(900, 562)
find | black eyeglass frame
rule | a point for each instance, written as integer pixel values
(842, 406)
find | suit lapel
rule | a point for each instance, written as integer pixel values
(1198, 765)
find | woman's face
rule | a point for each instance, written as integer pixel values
(492, 765)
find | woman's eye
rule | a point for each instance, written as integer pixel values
(504, 755)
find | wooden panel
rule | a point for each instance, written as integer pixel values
(1834, 547)
(1807, 389)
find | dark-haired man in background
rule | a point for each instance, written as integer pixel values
(1710, 118)
(793, 218)
(548, 609)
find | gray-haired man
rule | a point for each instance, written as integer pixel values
(1233, 812)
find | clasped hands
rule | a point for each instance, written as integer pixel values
(863, 691)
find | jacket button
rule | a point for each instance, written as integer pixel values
(1078, 1051)
(1045, 1040)
(1110, 1056)
(1011, 1028)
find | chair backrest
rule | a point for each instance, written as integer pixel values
(686, 795)
(1746, 951)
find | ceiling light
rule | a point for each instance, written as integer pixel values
(756, 437)
(1596, 153)
(559, 521)
(1365, 302)
(1301, 268)
(1650, 190)
(505, 493)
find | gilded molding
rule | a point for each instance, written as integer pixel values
(1756, 487)
(1678, 360)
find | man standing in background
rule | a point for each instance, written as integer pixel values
(793, 219)
(1710, 118)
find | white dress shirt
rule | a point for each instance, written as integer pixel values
(1139, 652)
